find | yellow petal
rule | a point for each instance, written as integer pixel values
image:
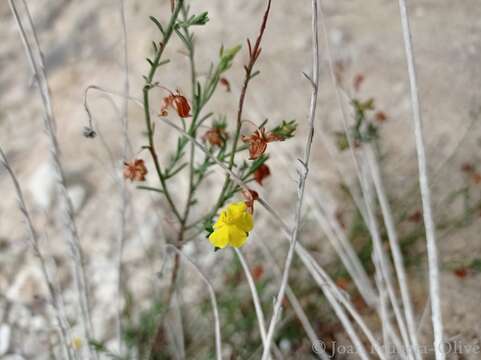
(237, 237)
(238, 215)
(236, 211)
(246, 222)
(220, 237)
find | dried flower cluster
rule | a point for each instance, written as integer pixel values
(135, 170)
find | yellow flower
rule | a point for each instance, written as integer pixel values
(76, 343)
(232, 227)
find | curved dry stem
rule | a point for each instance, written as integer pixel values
(395, 248)
(62, 324)
(218, 339)
(255, 296)
(70, 226)
(296, 305)
(123, 188)
(302, 179)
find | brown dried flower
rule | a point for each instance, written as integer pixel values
(178, 102)
(135, 170)
(261, 173)
(258, 142)
(216, 136)
(250, 196)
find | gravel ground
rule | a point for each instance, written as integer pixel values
(82, 45)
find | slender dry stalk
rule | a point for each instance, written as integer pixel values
(123, 188)
(334, 294)
(303, 172)
(70, 227)
(394, 244)
(345, 252)
(255, 296)
(296, 305)
(218, 338)
(62, 324)
(177, 328)
(383, 261)
(433, 262)
(352, 263)
(368, 215)
(254, 53)
(383, 305)
(41, 63)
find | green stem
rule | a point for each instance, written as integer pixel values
(148, 121)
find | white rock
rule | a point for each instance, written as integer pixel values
(5, 334)
(42, 185)
(38, 323)
(19, 315)
(77, 194)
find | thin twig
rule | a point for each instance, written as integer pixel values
(382, 260)
(367, 211)
(395, 248)
(254, 53)
(302, 179)
(123, 187)
(218, 339)
(296, 305)
(255, 296)
(70, 227)
(62, 324)
(433, 262)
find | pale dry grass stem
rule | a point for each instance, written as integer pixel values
(55, 301)
(215, 307)
(33, 53)
(430, 227)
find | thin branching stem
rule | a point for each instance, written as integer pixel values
(366, 210)
(255, 296)
(62, 324)
(296, 305)
(123, 187)
(395, 248)
(148, 120)
(303, 172)
(70, 226)
(215, 308)
(254, 53)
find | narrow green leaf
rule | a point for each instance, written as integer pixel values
(157, 23)
(149, 188)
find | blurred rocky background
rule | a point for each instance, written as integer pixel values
(82, 46)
